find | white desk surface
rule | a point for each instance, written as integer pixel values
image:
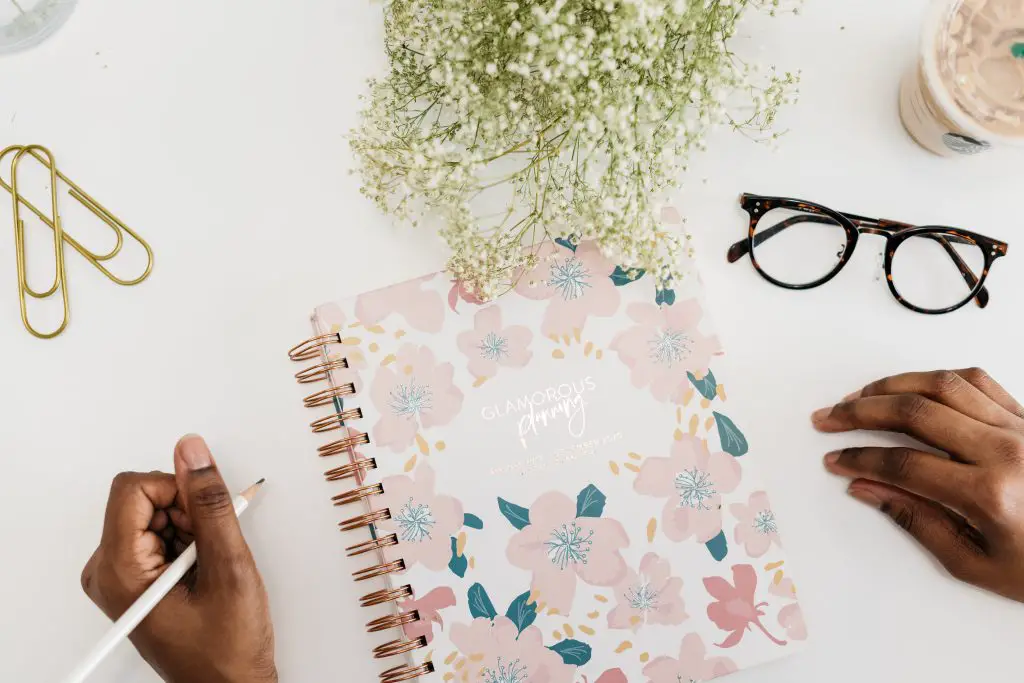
(216, 129)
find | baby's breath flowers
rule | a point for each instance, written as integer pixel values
(576, 116)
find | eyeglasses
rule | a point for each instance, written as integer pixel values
(929, 269)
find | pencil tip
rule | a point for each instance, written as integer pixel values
(260, 482)
(250, 492)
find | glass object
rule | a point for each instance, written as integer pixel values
(930, 269)
(925, 275)
(25, 23)
(798, 247)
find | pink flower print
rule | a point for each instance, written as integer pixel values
(756, 527)
(429, 608)
(414, 392)
(648, 596)
(663, 346)
(422, 308)
(559, 548)
(333, 318)
(692, 481)
(490, 345)
(611, 676)
(791, 618)
(734, 609)
(423, 520)
(691, 666)
(458, 291)
(783, 588)
(670, 215)
(575, 284)
(498, 652)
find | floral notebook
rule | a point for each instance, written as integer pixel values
(557, 484)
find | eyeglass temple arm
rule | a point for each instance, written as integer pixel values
(742, 247)
(969, 277)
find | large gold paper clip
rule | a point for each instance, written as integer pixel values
(53, 221)
(59, 279)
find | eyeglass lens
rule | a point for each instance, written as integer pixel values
(796, 247)
(925, 272)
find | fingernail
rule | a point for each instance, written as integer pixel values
(820, 415)
(831, 459)
(194, 452)
(866, 497)
(850, 397)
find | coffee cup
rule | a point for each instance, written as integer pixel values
(965, 94)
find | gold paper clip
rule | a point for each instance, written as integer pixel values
(59, 279)
(113, 222)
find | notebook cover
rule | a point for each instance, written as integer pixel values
(568, 477)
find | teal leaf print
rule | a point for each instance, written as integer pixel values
(733, 441)
(565, 243)
(590, 502)
(718, 546)
(519, 517)
(572, 652)
(480, 604)
(339, 406)
(620, 276)
(1017, 50)
(522, 613)
(665, 296)
(458, 563)
(707, 386)
(472, 521)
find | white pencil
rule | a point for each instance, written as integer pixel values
(150, 599)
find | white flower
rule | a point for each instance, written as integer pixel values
(578, 114)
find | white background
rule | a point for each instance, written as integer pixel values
(217, 130)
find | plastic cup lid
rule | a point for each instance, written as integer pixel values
(973, 59)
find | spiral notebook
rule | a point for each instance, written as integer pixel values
(552, 487)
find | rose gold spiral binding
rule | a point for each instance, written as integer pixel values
(398, 647)
(378, 543)
(392, 621)
(327, 396)
(358, 494)
(335, 420)
(310, 348)
(385, 595)
(382, 569)
(319, 372)
(343, 445)
(406, 672)
(355, 469)
(352, 469)
(365, 519)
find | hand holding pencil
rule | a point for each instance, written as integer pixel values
(215, 626)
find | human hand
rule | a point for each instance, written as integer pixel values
(215, 626)
(967, 510)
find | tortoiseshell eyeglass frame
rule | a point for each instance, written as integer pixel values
(894, 232)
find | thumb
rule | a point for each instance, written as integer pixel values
(219, 542)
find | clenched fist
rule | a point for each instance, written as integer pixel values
(215, 626)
